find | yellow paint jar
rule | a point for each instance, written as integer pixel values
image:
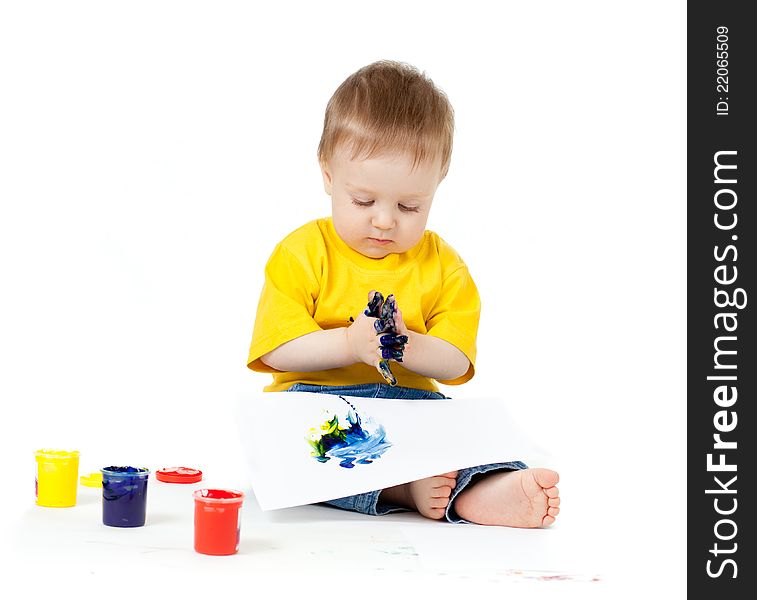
(57, 477)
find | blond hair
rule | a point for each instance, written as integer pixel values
(389, 106)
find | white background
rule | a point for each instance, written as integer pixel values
(153, 153)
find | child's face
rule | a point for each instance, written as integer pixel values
(381, 198)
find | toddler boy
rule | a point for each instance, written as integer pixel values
(385, 147)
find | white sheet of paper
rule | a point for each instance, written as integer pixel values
(426, 437)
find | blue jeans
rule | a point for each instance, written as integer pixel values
(369, 503)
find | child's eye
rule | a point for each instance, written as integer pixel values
(403, 208)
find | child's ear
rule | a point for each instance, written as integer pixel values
(327, 181)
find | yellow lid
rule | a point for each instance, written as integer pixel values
(92, 480)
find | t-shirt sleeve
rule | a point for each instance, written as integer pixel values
(286, 307)
(455, 317)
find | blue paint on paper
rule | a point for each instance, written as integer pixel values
(349, 442)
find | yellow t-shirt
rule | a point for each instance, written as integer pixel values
(314, 280)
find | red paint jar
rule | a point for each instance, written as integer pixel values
(217, 521)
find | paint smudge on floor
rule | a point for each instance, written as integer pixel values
(550, 575)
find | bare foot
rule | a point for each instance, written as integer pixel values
(526, 498)
(429, 496)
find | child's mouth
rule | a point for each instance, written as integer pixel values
(380, 242)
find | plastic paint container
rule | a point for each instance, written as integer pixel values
(124, 496)
(217, 521)
(57, 477)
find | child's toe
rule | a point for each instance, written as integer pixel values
(552, 492)
(435, 513)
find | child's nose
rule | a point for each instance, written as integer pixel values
(383, 219)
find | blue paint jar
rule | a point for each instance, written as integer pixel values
(124, 496)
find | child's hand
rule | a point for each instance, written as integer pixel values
(399, 324)
(382, 318)
(362, 340)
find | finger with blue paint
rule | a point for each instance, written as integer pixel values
(391, 344)
(393, 340)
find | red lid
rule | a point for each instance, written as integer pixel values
(179, 475)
